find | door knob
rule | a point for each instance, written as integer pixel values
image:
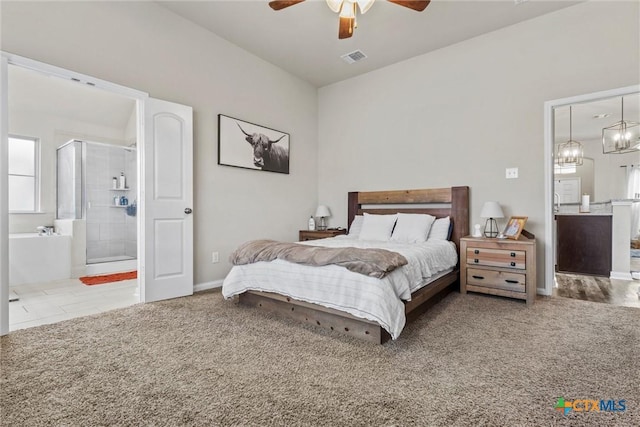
(188, 211)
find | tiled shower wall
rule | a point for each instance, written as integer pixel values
(130, 236)
(111, 233)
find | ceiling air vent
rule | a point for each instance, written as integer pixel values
(354, 56)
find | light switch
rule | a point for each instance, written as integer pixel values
(511, 173)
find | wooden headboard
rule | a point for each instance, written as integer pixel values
(456, 197)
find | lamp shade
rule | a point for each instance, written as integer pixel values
(491, 210)
(323, 211)
(335, 5)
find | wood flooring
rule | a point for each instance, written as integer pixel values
(597, 289)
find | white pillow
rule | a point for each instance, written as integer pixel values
(377, 227)
(440, 229)
(356, 226)
(412, 228)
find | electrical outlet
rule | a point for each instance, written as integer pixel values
(511, 173)
(215, 257)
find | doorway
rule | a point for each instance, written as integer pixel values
(67, 141)
(164, 132)
(603, 182)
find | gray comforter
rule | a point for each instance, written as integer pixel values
(370, 262)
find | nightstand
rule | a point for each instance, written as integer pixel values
(319, 234)
(502, 267)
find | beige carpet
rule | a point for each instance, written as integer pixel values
(472, 360)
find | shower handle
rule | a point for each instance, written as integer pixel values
(188, 211)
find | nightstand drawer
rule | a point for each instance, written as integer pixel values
(496, 258)
(497, 279)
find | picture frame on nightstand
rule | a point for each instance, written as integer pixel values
(514, 227)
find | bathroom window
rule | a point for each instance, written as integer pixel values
(24, 168)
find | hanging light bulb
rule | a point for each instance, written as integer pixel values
(570, 153)
(621, 137)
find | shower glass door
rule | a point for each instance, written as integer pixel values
(69, 181)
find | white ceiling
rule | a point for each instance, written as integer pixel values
(303, 39)
(31, 91)
(588, 129)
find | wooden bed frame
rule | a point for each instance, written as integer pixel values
(452, 202)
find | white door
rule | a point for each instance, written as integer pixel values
(4, 198)
(167, 238)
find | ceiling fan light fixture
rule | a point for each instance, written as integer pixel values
(347, 10)
(621, 137)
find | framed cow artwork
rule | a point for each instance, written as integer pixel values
(248, 145)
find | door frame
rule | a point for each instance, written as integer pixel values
(140, 97)
(549, 237)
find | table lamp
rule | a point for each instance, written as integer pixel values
(322, 212)
(491, 210)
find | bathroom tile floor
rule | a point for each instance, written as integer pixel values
(50, 302)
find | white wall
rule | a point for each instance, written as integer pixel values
(462, 114)
(606, 176)
(144, 46)
(609, 177)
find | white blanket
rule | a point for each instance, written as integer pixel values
(379, 300)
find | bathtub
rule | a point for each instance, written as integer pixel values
(34, 258)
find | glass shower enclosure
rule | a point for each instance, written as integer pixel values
(96, 182)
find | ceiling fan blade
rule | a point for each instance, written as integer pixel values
(416, 5)
(345, 29)
(281, 4)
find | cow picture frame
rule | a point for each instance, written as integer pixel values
(247, 145)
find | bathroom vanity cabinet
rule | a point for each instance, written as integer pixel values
(584, 244)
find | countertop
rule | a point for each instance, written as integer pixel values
(583, 213)
(604, 202)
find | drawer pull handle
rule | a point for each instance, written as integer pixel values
(478, 277)
(513, 264)
(513, 254)
(515, 282)
(476, 260)
(476, 251)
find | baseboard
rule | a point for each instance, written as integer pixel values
(542, 291)
(207, 285)
(621, 275)
(78, 272)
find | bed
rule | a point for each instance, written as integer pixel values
(263, 285)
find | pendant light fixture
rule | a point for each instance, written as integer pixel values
(570, 153)
(621, 137)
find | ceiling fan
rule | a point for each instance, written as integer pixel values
(347, 10)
